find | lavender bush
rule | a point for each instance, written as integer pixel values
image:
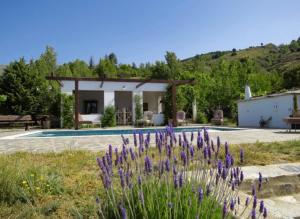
(182, 177)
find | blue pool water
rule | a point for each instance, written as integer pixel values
(75, 133)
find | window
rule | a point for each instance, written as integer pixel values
(145, 107)
(90, 107)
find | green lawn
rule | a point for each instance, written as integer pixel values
(65, 184)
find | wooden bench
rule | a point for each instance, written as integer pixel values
(292, 121)
(16, 119)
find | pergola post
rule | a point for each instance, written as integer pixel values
(174, 107)
(76, 105)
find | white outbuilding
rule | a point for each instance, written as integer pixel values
(270, 108)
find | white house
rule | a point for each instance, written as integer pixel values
(92, 95)
(273, 107)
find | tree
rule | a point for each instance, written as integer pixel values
(106, 68)
(26, 90)
(113, 58)
(234, 52)
(91, 63)
(80, 68)
(174, 65)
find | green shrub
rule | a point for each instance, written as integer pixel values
(138, 107)
(109, 117)
(201, 117)
(67, 111)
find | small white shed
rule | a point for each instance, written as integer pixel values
(277, 106)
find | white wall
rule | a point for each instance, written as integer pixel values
(250, 112)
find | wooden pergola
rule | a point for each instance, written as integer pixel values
(141, 82)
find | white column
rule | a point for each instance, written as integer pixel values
(139, 93)
(194, 110)
(159, 104)
(109, 98)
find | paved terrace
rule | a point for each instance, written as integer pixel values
(96, 143)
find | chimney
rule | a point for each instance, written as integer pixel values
(247, 92)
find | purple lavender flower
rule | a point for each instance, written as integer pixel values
(174, 170)
(110, 151)
(167, 165)
(148, 165)
(253, 190)
(218, 143)
(192, 151)
(134, 139)
(123, 212)
(128, 179)
(132, 155)
(212, 145)
(208, 152)
(200, 194)
(175, 180)
(183, 158)
(232, 204)
(231, 160)
(261, 206)
(247, 201)
(220, 165)
(169, 151)
(253, 214)
(192, 136)
(199, 142)
(205, 152)
(175, 159)
(265, 213)
(224, 173)
(242, 176)
(224, 209)
(241, 155)
(117, 156)
(254, 201)
(228, 161)
(226, 148)
(259, 181)
(180, 180)
(139, 180)
(239, 200)
(121, 177)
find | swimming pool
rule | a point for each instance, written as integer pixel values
(75, 133)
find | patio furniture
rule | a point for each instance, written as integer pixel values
(218, 118)
(17, 119)
(83, 121)
(181, 118)
(147, 119)
(294, 120)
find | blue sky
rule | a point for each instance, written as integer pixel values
(141, 30)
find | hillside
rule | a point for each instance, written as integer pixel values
(271, 58)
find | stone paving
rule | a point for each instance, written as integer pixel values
(283, 177)
(96, 143)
